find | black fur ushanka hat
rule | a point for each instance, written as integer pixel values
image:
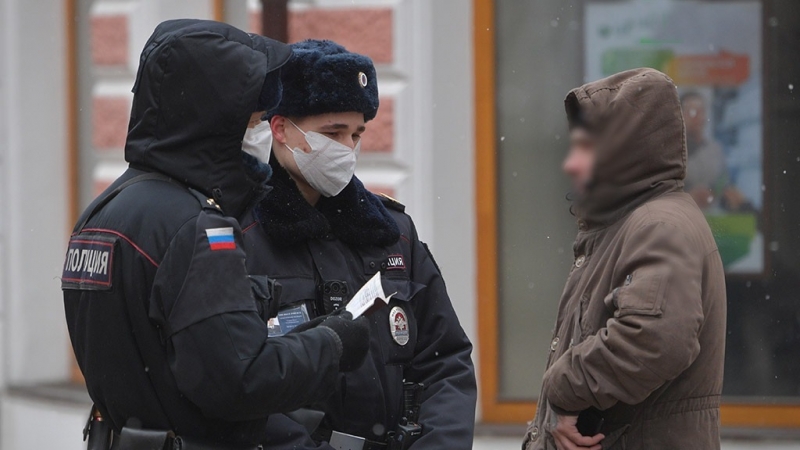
(323, 77)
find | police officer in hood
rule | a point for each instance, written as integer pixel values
(322, 235)
(168, 330)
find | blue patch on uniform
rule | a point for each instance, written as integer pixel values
(89, 264)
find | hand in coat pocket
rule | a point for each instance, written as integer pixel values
(568, 437)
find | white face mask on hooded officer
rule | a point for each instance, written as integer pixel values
(329, 166)
(257, 142)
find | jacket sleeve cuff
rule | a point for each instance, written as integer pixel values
(337, 341)
(562, 412)
(554, 400)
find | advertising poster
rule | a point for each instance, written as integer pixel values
(713, 52)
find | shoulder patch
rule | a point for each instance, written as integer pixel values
(89, 263)
(221, 238)
(391, 203)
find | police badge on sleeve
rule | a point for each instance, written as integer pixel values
(89, 263)
(398, 325)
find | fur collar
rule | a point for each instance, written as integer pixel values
(355, 216)
(255, 169)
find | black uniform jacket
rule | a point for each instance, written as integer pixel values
(160, 310)
(349, 238)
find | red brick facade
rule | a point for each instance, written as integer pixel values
(110, 116)
(362, 30)
(367, 30)
(379, 136)
(109, 40)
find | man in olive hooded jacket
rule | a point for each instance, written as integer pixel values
(636, 359)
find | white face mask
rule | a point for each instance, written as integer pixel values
(257, 142)
(330, 165)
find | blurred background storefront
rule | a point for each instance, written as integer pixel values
(733, 64)
(470, 135)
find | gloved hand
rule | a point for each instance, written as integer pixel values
(353, 334)
(315, 322)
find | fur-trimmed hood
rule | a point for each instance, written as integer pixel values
(355, 216)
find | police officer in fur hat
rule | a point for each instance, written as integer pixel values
(322, 235)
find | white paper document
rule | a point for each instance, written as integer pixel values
(367, 296)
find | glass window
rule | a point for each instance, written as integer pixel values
(538, 61)
(736, 68)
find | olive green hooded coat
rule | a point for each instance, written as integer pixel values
(640, 333)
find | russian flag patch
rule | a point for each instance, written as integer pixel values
(221, 238)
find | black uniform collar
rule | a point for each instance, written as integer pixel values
(355, 216)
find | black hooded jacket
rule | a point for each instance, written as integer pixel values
(162, 316)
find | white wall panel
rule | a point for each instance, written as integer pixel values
(35, 210)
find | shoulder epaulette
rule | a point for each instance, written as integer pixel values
(391, 203)
(205, 201)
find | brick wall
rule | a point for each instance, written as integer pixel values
(111, 49)
(366, 30)
(361, 27)
(109, 38)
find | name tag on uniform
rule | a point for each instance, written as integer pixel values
(89, 263)
(287, 320)
(395, 262)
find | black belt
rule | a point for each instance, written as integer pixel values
(372, 445)
(136, 439)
